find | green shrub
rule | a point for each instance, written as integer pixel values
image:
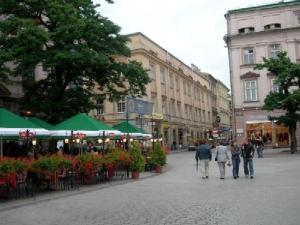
(6, 166)
(158, 157)
(138, 162)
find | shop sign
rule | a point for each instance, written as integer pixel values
(240, 130)
(155, 116)
(166, 124)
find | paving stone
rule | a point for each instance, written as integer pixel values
(180, 197)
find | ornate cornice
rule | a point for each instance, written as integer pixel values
(249, 75)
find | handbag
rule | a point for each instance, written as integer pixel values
(228, 163)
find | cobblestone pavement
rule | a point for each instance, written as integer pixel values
(180, 196)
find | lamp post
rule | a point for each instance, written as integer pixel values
(27, 135)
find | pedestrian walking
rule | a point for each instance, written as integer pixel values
(248, 154)
(235, 158)
(259, 146)
(221, 157)
(203, 154)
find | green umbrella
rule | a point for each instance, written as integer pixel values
(130, 129)
(12, 125)
(82, 123)
(41, 123)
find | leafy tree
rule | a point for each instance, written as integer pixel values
(287, 77)
(77, 50)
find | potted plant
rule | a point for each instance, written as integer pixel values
(6, 167)
(138, 163)
(158, 158)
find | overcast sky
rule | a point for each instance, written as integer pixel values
(192, 30)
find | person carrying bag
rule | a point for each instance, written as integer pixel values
(221, 157)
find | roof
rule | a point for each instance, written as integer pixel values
(202, 74)
(265, 6)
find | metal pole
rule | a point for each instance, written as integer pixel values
(152, 133)
(127, 120)
(103, 141)
(1, 148)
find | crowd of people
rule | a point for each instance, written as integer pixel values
(246, 151)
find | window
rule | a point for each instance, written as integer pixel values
(250, 90)
(179, 109)
(164, 105)
(154, 101)
(274, 86)
(172, 107)
(186, 111)
(100, 107)
(246, 30)
(152, 72)
(189, 89)
(248, 56)
(171, 81)
(177, 84)
(203, 116)
(162, 76)
(274, 50)
(272, 26)
(184, 87)
(121, 105)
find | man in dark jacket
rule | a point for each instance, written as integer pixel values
(203, 153)
(248, 154)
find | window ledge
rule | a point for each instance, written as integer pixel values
(247, 65)
(256, 101)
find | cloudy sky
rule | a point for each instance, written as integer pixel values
(192, 30)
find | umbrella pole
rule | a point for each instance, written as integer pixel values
(1, 148)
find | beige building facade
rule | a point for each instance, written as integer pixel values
(180, 94)
(223, 110)
(254, 33)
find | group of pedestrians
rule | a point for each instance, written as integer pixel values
(246, 151)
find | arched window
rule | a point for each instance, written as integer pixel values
(272, 26)
(245, 30)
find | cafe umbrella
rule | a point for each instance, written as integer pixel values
(82, 124)
(14, 126)
(131, 130)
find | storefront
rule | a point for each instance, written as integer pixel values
(271, 133)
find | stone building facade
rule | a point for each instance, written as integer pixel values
(254, 33)
(180, 94)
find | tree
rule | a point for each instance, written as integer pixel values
(287, 77)
(77, 50)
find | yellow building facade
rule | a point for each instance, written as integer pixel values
(180, 95)
(223, 109)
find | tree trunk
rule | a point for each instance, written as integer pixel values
(292, 130)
